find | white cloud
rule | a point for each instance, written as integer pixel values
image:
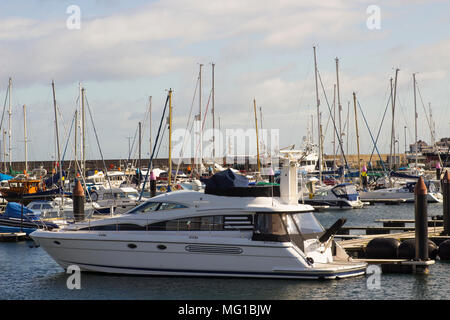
(248, 40)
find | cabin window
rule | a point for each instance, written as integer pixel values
(36, 207)
(132, 195)
(269, 227)
(116, 227)
(207, 223)
(170, 206)
(107, 196)
(46, 206)
(158, 226)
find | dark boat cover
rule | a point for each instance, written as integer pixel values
(226, 179)
(227, 183)
(14, 210)
(402, 175)
(53, 180)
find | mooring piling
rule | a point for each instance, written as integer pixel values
(421, 216)
(78, 202)
(152, 184)
(445, 183)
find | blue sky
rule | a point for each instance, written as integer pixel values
(126, 51)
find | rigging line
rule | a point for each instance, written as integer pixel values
(143, 129)
(423, 105)
(160, 143)
(433, 134)
(99, 148)
(132, 145)
(381, 125)
(4, 108)
(202, 127)
(187, 126)
(371, 136)
(402, 107)
(334, 123)
(154, 148)
(68, 139)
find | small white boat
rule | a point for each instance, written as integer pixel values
(58, 211)
(341, 196)
(404, 193)
(117, 200)
(188, 233)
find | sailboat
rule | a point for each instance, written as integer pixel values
(405, 192)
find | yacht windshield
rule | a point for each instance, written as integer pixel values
(344, 191)
(145, 207)
(307, 223)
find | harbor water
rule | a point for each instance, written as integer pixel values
(29, 273)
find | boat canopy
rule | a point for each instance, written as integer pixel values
(231, 184)
(5, 177)
(346, 190)
(226, 179)
(402, 175)
(14, 210)
(53, 179)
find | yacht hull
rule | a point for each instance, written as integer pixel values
(185, 256)
(403, 196)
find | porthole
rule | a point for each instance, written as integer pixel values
(161, 247)
(132, 246)
(57, 242)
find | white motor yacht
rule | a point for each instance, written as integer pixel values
(341, 196)
(244, 233)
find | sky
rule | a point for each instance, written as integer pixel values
(125, 51)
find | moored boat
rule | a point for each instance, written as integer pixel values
(18, 218)
(231, 230)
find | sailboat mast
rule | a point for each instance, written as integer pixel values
(257, 138)
(83, 135)
(415, 117)
(392, 125)
(140, 144)
(150, 122)
(357, 138)
(348, 123)
(432, 126)
(334, 119)
(394, 98)
(9, 121)
(25, 137)
(221, 152)
(200, 133)
(318, 117)
(57, 136)
(339, 109)
(170, 142)
(261, 128)
(75, 137)
(213, 117)
(4, 149)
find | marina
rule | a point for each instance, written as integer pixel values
(224, 151)
(39, 273)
